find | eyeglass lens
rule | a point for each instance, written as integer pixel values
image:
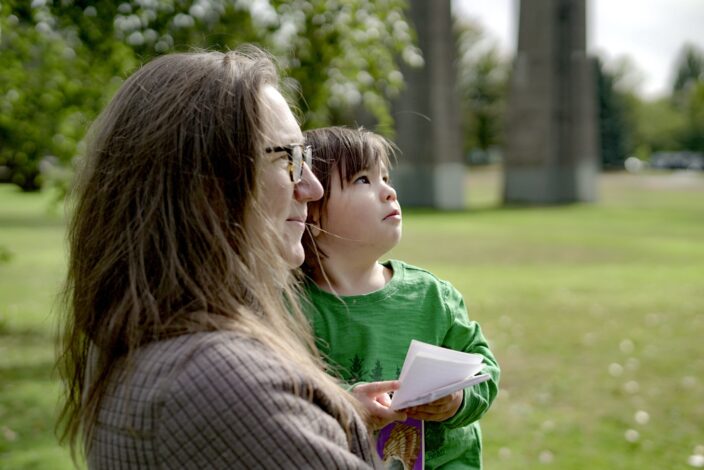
(300, 154)
(297, 155)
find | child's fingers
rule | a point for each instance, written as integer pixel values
(381, 415)
(432, 407)
(379, 387)
(438, 410)
(388, 414)
(425, 409)
(384, 399)
(430, 413)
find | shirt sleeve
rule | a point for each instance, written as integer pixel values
(466, 335)
(237, 407)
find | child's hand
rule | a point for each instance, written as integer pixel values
(375, 398)
(438, 410)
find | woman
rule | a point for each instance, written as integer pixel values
(184, 345)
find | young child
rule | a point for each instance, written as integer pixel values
(365, 313)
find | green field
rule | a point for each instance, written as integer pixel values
(595, 312)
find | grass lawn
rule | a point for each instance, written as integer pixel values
(31, 234)
(595, 312)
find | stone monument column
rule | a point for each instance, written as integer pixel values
(430, 170)
(551, 151)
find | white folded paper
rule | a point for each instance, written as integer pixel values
(431, 372)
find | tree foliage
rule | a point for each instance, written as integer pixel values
(688, 96)
(632, 125)
(614, 132)
(689, 68)
(483, 83)
(657, 126)
(63, 59)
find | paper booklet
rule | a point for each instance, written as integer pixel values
(431, 372)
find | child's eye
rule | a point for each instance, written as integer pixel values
(387, 179)
(361, 180)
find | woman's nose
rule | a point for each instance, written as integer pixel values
(309, 188)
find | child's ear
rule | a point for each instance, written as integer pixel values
(314, 220)
(314, 228)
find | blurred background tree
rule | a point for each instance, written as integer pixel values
(689, 69)
(631, 125)
(688, 96)
(483, 85)
(62, 60)
(54, 81)
(616, 132)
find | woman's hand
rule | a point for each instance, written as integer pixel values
(375, 398)
(438, 410)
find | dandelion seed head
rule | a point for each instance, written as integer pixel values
(632, 435)
(696, 460)
(615, 369)
(546, 457)
(642, 417)
(631, 386)
(626, 346)
(689, 381)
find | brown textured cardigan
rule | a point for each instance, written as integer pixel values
(220, 400)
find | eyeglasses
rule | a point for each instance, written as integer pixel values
(297, 155)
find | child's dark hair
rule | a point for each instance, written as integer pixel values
(347, 151)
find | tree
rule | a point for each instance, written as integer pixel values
(49, 90)
(483, 83)
(614, 132)
(658, 126)
(689, 68)
(693, 138)
(64, 59)
(688, 96)
(629, 124)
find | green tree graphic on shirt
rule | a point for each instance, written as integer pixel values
(357, 371)
(377, 372)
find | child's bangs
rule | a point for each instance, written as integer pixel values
(364, 154)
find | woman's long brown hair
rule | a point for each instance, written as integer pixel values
(166, 234)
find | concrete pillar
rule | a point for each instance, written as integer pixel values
(430, 171)
(551, 141)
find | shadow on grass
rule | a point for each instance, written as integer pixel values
(31, 221)
(33, 358)
(9, 334)
(489, 209)
(39, 371)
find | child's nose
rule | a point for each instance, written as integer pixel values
(388, 193)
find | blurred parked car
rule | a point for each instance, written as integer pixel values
(678, 160)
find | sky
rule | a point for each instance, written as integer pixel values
(650, 32)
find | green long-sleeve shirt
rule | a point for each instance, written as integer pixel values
(365, 338)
